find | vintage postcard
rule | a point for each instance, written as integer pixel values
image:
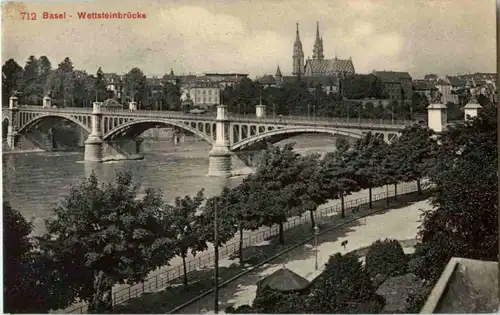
(249, 156)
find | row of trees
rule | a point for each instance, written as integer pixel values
(70, 87)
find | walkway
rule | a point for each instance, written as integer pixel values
(400, 223)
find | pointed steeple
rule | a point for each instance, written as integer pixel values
(171, 72)
(278, 72)
(298, 55)
(318, 45)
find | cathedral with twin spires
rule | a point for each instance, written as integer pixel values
(318, 65)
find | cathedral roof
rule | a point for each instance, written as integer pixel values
(330, 65)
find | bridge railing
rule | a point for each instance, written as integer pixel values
(165, 278)
(289, 119)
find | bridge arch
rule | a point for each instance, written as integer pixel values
(145, 124)
(276, 135)
(36, 119)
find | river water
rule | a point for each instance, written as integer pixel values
(35, 182)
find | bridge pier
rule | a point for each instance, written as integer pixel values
(12, 131)
(138, 143)
(219, 158)
(94, 143)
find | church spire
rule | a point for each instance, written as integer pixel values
(318, 45)
(298, 55)
(278, 72)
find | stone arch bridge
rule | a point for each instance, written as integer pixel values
(227, 135)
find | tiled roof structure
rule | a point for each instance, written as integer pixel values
(391, 76)
(267, 80)
(284, 279)
(322, 80)
(330, 66)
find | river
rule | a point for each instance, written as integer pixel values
(35, 182)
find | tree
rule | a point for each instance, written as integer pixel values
(393, 166)
(339, 175)
(17, 247)
(101, 235)
(62, 83)
(44, 70)
(386, 258)
(226, 220)
(29, 284)
(246, 214)
(135, 85)
(343, 287)
(30, 88)
(172, 95)
(100, 90)
(369, 155)
(12, 76)
(186, 229)
(310, 182)
(276, 173)
(464, 222)
(415, 149)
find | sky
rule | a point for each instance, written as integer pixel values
(254, 36)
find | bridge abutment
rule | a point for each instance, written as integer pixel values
(12, 131)
(94, 143)
(219, 158)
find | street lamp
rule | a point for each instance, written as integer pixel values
(316, 233)
(216, 260)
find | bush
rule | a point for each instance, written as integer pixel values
(386, 258)
(343, 287)
(272, 301)
(416, 301)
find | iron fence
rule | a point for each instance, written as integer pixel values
(164, 279)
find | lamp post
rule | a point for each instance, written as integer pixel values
(216, 260)
(316, 232)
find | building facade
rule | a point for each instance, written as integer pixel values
(398, 86)
(203, 93)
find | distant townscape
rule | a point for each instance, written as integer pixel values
(71, 87)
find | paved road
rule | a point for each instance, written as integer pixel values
(401, 224)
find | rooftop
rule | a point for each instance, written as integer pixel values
(465, 286)
(284, 279)
(392, 76)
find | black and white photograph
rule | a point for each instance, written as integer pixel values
(250, 156)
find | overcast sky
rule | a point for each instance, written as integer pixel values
(418, 36)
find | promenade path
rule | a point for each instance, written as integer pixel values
(178, 262)
(399, 223)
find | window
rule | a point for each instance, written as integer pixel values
(209, 99)
(209, 92)
(204, 92)
(197, 100)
